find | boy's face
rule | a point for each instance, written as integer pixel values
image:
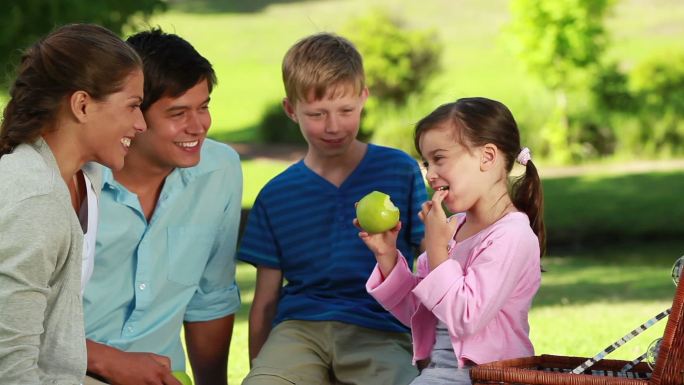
(177, 127)
(330, 124)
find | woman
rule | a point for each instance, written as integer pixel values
(76, 99)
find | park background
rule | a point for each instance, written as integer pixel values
(597, 87)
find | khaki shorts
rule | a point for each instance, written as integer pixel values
(329, 352)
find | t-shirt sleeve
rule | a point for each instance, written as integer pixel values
(258, 246)
(418, 197)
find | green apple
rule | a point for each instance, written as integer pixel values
(376, 213)
(182, 377)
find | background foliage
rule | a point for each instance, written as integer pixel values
(22, 22)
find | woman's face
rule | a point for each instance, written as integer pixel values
(116, 120)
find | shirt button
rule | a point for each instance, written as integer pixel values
(129, 329)
(142, 286)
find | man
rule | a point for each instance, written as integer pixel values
(166, 242)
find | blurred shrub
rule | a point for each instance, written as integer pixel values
(398, 61)
(658, 87)
(276, 127)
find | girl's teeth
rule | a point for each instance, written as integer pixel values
(443, 188)
(126, 142)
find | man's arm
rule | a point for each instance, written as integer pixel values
(123, 368)
(268, 284)
(208, 345)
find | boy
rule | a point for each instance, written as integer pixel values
(167, 236)
(327, 328)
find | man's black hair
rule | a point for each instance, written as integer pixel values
(171, 65)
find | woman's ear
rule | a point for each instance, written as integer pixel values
(489, 154)
(289, 109)
(78, 105)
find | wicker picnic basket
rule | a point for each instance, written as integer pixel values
(551, 370)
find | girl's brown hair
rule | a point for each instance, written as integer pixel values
(480, 121)
(74, 57)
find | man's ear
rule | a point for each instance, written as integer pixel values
(489, 154)
(289, 109)
(78, 105)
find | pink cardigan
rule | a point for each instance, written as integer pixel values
(482, 293)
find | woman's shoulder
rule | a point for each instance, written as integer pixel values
(25, 174)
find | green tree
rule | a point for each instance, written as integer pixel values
(559, 42)
(24, 21)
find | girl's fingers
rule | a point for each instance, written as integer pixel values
(436, 203)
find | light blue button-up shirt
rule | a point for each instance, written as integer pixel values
(150, 277)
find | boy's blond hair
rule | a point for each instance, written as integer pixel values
(317, 63)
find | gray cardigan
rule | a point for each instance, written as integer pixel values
(41, 318)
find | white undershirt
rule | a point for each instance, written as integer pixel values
(88, 214)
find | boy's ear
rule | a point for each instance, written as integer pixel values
(488, 156)
(289, 109)
(364, 95)
(78, 105)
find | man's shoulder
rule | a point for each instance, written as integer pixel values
(217, 154)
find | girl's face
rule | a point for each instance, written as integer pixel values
(452, 166)
(117, 119)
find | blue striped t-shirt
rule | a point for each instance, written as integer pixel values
(302, 224)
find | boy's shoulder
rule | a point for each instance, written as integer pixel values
(284, 180)
(377, 150)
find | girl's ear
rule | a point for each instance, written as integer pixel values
(289, 109)
(489, 154)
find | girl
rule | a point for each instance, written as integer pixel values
(469, 300)
(76, 98)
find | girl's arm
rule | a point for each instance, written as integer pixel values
(395, 291)
(466, 300)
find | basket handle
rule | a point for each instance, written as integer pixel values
(638, 330)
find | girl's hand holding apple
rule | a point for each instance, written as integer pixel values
(378, 220)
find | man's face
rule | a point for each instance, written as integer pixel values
(177, 127)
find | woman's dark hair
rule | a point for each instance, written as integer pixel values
(75, 57)
(479, 121)
(171, 65)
